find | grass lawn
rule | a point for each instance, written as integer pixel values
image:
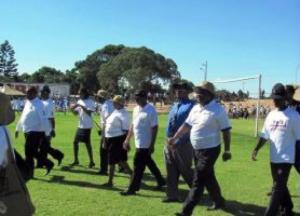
(78, 191)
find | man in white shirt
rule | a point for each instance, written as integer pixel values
(105, 111)
(33, 122)
(205, 122)
(50, 132)
(282, 130)
(144, 128)
(84, 109)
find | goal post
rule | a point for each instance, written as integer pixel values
(256, 77)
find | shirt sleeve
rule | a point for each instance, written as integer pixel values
(154, 118)
(296, 127)
(223, 120)
(125, 121)
(51, 110)
(42, 116)
(189, 120)
(265, 131)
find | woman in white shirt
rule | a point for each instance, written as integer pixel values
(84, 109)
(116, 128)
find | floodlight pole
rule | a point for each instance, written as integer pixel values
(258, 106)
(205, 71)
(204, 68)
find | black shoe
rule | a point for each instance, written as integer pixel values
(160, 186)
(108, 184)
(101, 172)
(49, 168)
(170, 200)
(75, 163)
(181, 214)
(60, 158)
(127, 193)
(216, 206)
(91, 165)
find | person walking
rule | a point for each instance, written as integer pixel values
(84, 109)
(46, 147)
(282, 129)
(33, 122)
(116, 128)
(105, 111)
(178, 161)
(144, 128)
(205, 123)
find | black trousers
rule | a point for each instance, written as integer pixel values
(46, 149)
(204, 176)
(33, 142)
(142, 159)
(103, 156)
(280, 193)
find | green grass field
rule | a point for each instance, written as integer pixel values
(78, 191)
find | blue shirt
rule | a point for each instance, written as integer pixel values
(177, 116)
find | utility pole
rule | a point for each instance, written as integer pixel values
(204, 69)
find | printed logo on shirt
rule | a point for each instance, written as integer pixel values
(278, 125)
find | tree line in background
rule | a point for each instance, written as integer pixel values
(116, 68)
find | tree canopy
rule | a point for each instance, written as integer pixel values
(8, 65)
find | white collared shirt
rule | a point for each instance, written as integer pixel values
(85, 120)
(282, 129)
(117, 123)
(33, 117)
(144, 119)
(206, 124)
(49, 110)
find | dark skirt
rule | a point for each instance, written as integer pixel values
(83, 135)
(116, 153)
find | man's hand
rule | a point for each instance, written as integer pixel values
(254, 155)
(226, 156)
(16, 134)
(52, 133)
(126, 145)
(172, 142)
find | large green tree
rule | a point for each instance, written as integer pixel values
(135, 66)
(8, 65)
(87, 69)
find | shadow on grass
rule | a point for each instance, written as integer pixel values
(71, 170)
(61, 180)
(243, 209)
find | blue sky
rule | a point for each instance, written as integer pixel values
(237, 37)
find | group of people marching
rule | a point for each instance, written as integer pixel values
(193, 135)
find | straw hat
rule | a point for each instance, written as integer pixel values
(119, 99)
(206, 86)
(7, 115)
(296, 96)
(102, 93)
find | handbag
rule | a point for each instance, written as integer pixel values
(14, 196)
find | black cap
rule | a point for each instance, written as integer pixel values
(46, 88)
(182, 84)
(141, 93)
(278, 91)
